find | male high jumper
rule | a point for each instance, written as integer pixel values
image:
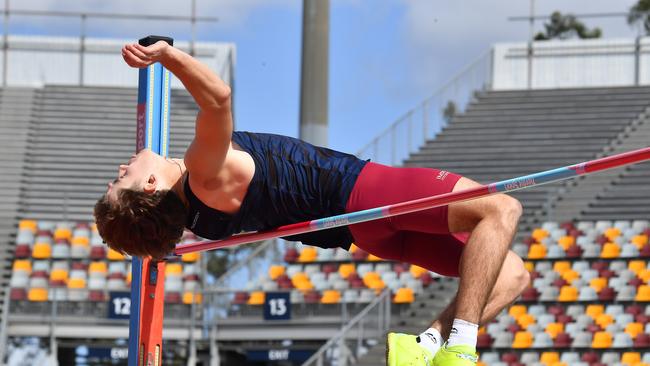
(230, 182)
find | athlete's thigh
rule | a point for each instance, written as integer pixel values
(439, 253)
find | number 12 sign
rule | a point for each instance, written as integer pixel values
(277, 306)
(119, 306)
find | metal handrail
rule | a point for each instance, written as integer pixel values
(383, 298)
(3, 325)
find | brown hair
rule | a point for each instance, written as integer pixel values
(142, 224)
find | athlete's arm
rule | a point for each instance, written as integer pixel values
(206, 154)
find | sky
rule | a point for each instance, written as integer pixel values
(386, 56)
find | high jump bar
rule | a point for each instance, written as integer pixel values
(508, 185)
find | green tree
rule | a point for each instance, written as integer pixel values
(566, 26)
(640, 15)
(449, 111)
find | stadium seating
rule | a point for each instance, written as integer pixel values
(592, 307)
(44, 272)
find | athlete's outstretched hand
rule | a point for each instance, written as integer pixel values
(139, 56)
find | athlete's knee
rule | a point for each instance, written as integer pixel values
(507, 210)
(519, 275)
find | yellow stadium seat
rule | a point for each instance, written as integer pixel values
(553, 329)
(59, 275)
(566, 242)
(404, 295)
(633, 329)
(549, 358)
(570, 275)
(256, 298)
(522, 340)
(190, 297)
(308, 255)
(631, 358)
(346, 269)
(37, 294)
(417, 271)
(640, 241)
(190, 257)
(602, 340)
(524, 320)
(479, 363)
(537, 251)
(643, 293)
(353, 248)
(610, 250)
(114, 255)
(636, 266)
(604, 320)
(304, 286)
(63, 233)
(81, 241)
(76, 283)
(517, 310)
(530, 266)
(644, 274)
(568, 293)
(30, 225)
(539, 234)
(275, 272)
(612, 233)
(173, 269)
(22, 265)
(598, 283)
(594, 310)
(374, 258)
(331, 297)
(97, 267)
(370, 277)
(300, 277)
(561, 266)
(42, 251)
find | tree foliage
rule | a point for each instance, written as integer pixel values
(567, 26)
(640, 15)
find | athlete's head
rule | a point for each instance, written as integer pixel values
(140, 214)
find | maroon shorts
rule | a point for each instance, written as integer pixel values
(421, 238)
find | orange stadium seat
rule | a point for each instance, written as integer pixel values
(610, 250)
(97, 267)
(22, 265)
(549, 358)
(566, 242)
(602, 340)
(331, 297)
(346, 269)
(256, 298)
(77, 283)
(640, 240)
(598, 283)
(537, 251)
(42, 250)
(173, 269)
(276, 271)
(404, 295)
(568, 293)
(517, 310)
(308, 254)
(81, 241)
(603, 320)
(59, 275)
(190, 257)
(373, 258)
(190, 297)
(561, 266)
(631, 358)
(522, 340)
(524, 320)
(594, 310)
(570, 275)
(63, 233)
(30, 225)
(114, 255)
(612, 233)
(643, 293)
(37, 294)
(553, 329)
(417, 271)
(644, 274)
(633, 329)
(636, 266)
(540, 234)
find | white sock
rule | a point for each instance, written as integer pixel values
(463, 333)
(430, 340)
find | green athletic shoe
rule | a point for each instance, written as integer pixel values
(455, 356)
(403, 350)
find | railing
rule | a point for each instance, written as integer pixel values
(3, 325)
(426, 120)
(347, 346)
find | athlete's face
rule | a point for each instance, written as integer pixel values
(135, 173)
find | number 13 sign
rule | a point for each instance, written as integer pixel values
(277, 306)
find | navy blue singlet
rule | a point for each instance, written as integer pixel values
(294, 181)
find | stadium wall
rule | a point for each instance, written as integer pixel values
(34, 61)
